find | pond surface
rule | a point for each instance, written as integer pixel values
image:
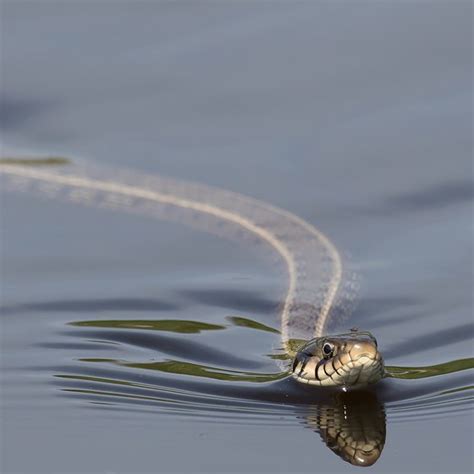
(131, 344)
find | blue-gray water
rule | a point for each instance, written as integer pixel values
(356, 117)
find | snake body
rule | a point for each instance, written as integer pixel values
(312, 262)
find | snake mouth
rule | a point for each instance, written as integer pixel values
(345, 361)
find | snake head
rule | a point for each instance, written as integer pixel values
(344, 360)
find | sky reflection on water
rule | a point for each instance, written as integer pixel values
(357, 118)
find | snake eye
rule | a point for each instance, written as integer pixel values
(328, 349)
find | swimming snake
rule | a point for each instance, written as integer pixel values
(313, 264)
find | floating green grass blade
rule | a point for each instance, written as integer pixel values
(167, 325)
(39, 161)
(430, 370)
(249, 323)
(196, 370)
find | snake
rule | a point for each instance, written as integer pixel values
(313, 264)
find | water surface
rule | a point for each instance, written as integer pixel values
(136, 345)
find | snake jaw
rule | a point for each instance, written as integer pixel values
(354, 362)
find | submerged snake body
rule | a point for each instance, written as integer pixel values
(313, 263)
